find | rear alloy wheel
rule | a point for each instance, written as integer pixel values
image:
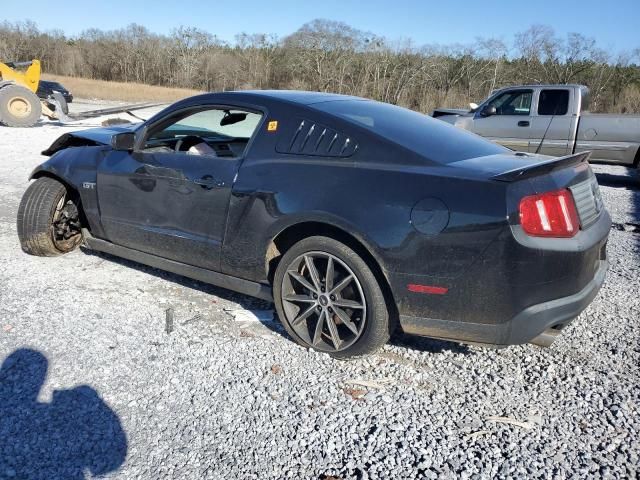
(48, 219)
(328, 299)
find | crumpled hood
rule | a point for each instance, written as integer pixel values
(89, 137)
(103, 135)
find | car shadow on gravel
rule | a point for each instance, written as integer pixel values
(244, 301)
(423, 344)
(630, 182)
(428, 345)
(74, 434)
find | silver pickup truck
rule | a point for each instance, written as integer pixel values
(551, 120)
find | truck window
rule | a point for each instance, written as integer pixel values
(513, 103)
(553, 102)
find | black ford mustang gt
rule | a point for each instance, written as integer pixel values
(352, 215)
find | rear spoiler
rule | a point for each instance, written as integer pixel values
(441, 112)
(541, 168)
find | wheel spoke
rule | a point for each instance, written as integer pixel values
(328, 281)
(313, 272)
(303, 281)
(299, 298)
(342, 284)
(317, 336)
(333, 330)
(343, 302)
(342, 315)
(303, 316)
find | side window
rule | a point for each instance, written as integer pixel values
(553, 102)
(513, 103)
(218, 132)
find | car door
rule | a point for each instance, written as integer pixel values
(170, 198)
(510, 123)
(552, 126)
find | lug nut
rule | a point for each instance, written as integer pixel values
(332, 297)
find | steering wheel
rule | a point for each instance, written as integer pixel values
(185, 143)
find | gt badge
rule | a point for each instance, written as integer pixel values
(89, 185)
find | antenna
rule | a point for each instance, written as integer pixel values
(555, 112)
(545, 133)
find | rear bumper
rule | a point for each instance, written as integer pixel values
(522, 328)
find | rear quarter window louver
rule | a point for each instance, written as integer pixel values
(309, 138)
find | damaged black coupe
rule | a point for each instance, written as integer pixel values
(353, 216)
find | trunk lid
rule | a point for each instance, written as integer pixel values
(541, 167)
(516, 166)
(529, 174)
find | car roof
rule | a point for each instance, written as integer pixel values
(292, 96)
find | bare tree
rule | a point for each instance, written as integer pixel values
(333, 56)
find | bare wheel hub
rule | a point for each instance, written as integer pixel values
(19, 107)
(66, 228)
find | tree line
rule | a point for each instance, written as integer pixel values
(331, 56)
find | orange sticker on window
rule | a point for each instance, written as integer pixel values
(272, 126)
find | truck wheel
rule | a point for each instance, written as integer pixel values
(19, 106)
(48, 219)
(328, 299)
(59, 99)
(53, 108)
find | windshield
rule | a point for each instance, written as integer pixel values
(53, 85)
(433, 139)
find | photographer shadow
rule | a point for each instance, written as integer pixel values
(77, 433)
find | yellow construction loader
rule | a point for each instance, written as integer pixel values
(19, 104)
(21, 107)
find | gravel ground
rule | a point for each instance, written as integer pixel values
(92, 383)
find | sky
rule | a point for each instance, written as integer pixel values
(615, 24)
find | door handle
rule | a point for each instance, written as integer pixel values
(523, 123)
(208, 182)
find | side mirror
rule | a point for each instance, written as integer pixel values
(488, 111)
(124, 141)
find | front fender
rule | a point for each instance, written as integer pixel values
(77, 168)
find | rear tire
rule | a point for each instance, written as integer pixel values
(48, 219)
(19, 106)
(354, 319)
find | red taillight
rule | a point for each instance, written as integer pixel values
(551, 214)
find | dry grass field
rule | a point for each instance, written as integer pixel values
(128, 92)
